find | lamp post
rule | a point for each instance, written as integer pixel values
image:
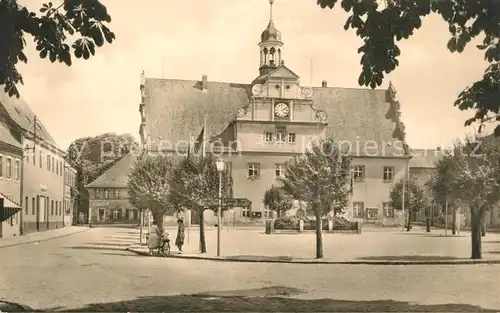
(220, 164)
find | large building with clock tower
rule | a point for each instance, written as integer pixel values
(256, 127)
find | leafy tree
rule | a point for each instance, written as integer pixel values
(71, 27)
(414, 199)
(92, 156)
(476, 182)
(148, 186)
(195, 185)
(441, 183)
(278, 200)
(321, 178)
(380, 24)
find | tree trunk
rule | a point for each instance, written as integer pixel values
(319, 236)
(203, 245)
(141, 221)
(475, 234)
(483, 224)
(454, 221)
(427, 220)
(158, 218)
(408, 228)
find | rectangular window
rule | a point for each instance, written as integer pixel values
(106, 193)
(253, 170)
(33, 206)
(60, 168)
(53, 170)
(34, 156)
(1, 166)
(17, 170)
(97, 194)
(268, 213)
(40, 158)
(372, 213)
(48, 163)
(291, 137)
(57, 167)
(8, 168)
(52, 207)
(358, 208)
(388, 173)
(26, 209)
(57, 208)
(358, 172)
(280, 170)
(60, 208)
(117, 194)
(388, 209)
(280, 134)
(27, 154)
(268, 137)
(245, 212)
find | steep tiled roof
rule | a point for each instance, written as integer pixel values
(174, 109)
(425, 158)
(117, 175)
(359, 116)
(22, 115)
(7, 137)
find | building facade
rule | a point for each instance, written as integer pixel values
(42, 167)
(69, 204)
(108, 195)
(11, 154)
(257, 127)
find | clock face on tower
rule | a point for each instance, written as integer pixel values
(281, 110)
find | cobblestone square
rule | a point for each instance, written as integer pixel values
(90, 271)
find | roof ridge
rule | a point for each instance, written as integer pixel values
(347, 88)
(238, 83)
(195, 81)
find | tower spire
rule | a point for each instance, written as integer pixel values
(270, 45)
(271, 10)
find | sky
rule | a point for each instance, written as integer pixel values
(186, 39)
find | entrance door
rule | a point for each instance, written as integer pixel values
(42, 209)
(101, 215)
(127, 214)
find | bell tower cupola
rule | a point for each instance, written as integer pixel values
(270, 46)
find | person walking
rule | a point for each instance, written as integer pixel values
(179, 240)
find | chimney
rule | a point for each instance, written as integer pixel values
(324, 84)
(204, 82)
(438, 148)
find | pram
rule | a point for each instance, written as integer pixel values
(163, 246)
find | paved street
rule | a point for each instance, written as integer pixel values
(89, 271)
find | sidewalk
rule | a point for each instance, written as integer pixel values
(41, 236)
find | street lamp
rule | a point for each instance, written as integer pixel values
(220, 164)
